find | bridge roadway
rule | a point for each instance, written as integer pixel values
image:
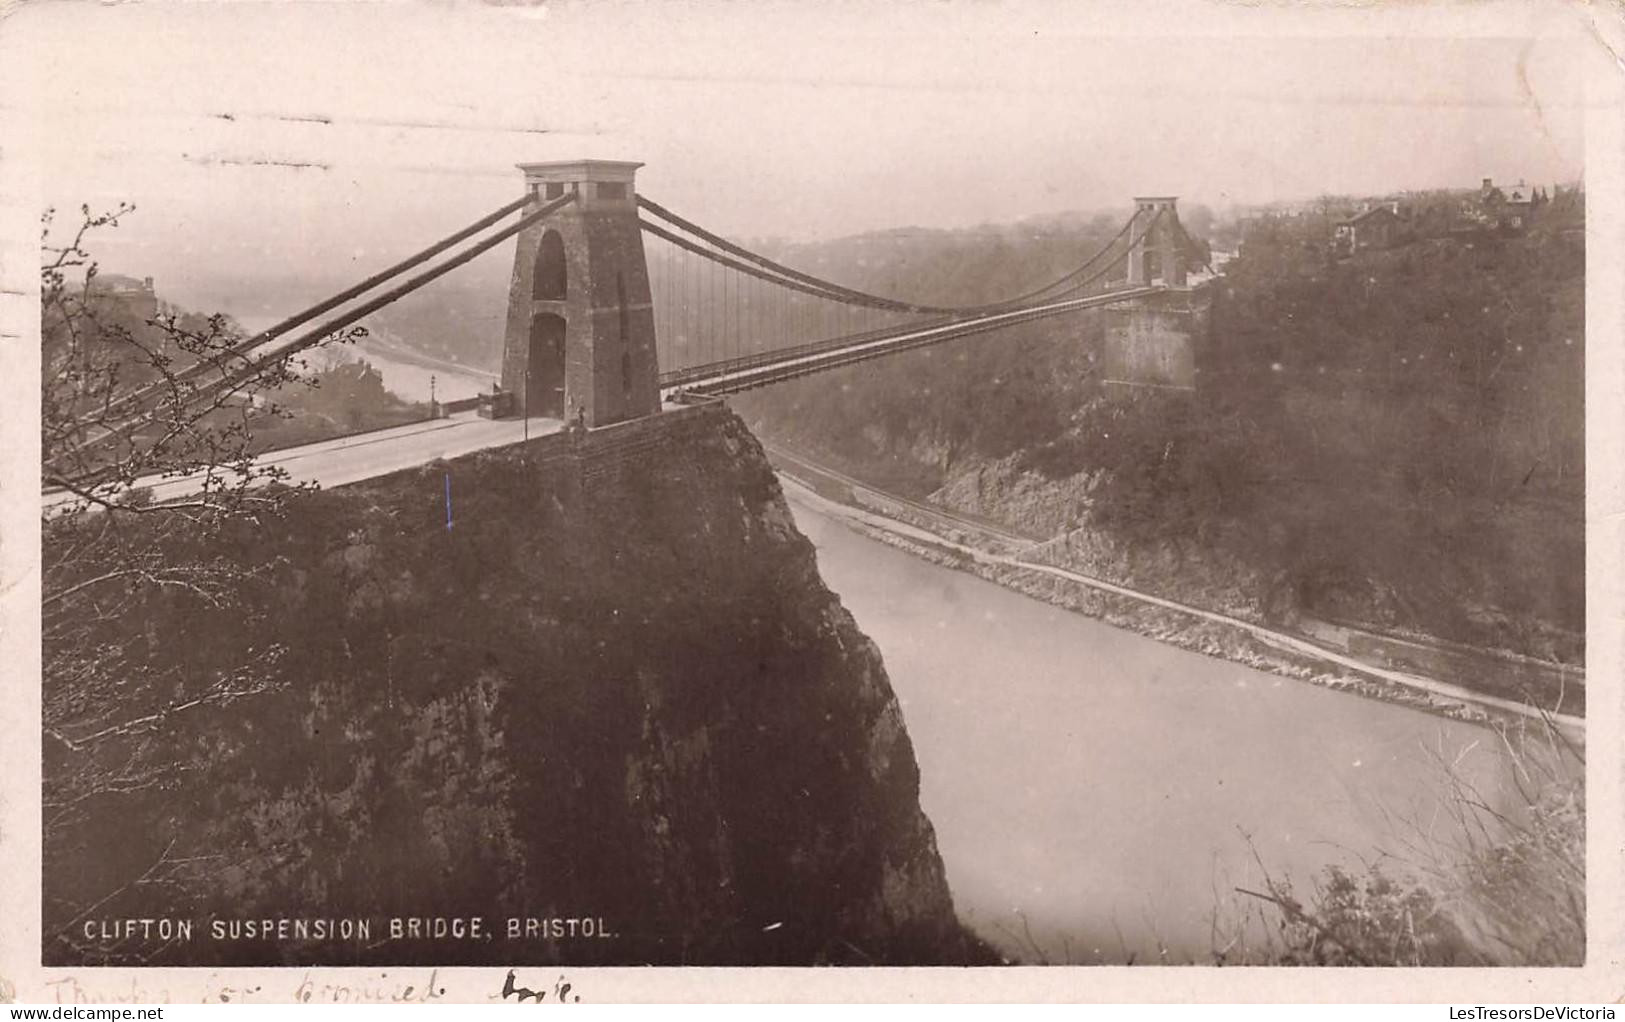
(351, 459)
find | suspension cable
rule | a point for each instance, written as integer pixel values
(852, 296)
(313, 336)
(1127, 224)
(310, 338)
(795, 318)
(714, 257)
(243, 347)
(1120, 258)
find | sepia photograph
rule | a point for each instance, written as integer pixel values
(541, 486)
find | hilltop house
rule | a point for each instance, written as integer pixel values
(1378, 226)
(135, 298)
(1510, 208)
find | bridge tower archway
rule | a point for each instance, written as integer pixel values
(552, 271)
(544, 379)
(580, 336)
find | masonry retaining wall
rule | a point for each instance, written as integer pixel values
(601, 457)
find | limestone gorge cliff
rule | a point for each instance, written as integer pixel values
(1391, 441)
(613, 687)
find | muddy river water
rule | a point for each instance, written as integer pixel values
(1098, 795)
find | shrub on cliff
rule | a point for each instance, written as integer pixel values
(1482, 884)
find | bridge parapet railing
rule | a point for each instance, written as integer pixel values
(496, 404)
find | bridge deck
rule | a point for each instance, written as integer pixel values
(774, 366)
(351, 459)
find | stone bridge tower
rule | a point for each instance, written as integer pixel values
(1154, 341)
(580, 339)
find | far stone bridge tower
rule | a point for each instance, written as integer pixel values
(1153, 341)
(580, 340)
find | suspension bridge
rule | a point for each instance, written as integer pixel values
(620, 308)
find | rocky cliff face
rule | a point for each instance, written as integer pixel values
(1004, 491)
(622, 696)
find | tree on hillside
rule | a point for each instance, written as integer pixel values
(123, 399)
(108, 700)
(351, 392)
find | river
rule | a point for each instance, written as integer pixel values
(407, 374)
(1090, 787)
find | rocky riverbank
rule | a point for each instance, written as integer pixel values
(897, 524)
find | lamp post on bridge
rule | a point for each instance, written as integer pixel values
(524, 401)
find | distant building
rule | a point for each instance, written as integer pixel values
(136, 298)
(1279, 212)
(1509, 209)
(1379, 226)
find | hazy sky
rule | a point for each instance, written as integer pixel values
(292, 139)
